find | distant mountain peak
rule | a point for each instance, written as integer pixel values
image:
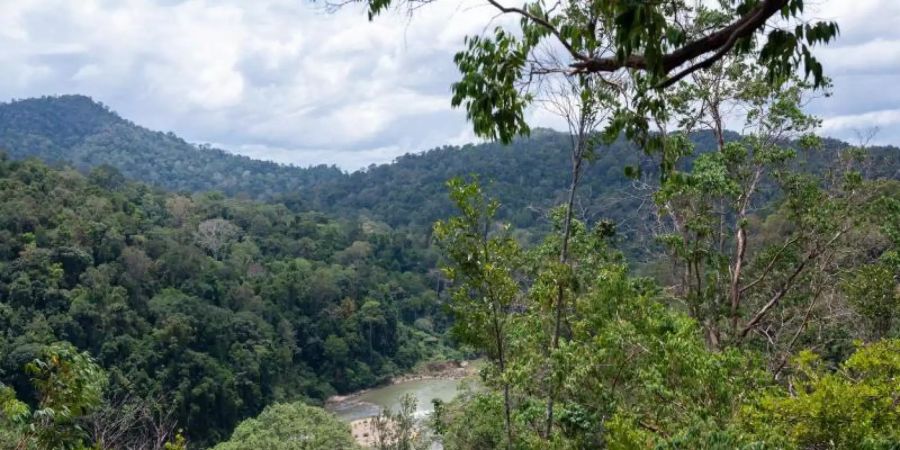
(67, 118)
(74, 101)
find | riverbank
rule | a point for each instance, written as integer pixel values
(441, 370)
(430, 380)
(364, 432)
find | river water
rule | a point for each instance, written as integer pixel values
(371, 402)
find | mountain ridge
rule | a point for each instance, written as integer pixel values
(529, 176)
(77, 130)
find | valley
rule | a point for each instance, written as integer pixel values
(196, 292)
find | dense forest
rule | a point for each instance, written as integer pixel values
(199, 309)
(410, 192)
(647, 279)
(211, 306)
(79, 131)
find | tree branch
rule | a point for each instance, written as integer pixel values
(771, 264)
(786, 286)
(721, 42)
(542, 22)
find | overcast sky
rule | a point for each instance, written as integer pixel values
(286, 81)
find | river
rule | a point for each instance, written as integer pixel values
(369, 403)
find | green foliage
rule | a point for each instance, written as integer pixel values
(218, 306)
(290, 426)
(472, 421)
(69, 386)
(524, 176)
(76, 130)
(628, 371)
(491, 67)
(853, 407)
(648, 44)
(14, 418)
(873, 292)
(651, 369)
(482, 267)
(757, 231)
(69, 382)
(631, 372)
(398, 430)
(180, 443)
(224, 306)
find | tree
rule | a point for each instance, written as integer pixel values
(291, 426)
(396, 430)
(180, 208)
(107, 177)
(213, 333)
(873, 291)
(215, 234)
(853, 407)
(573, 99)
(69, 386)
(14, 418)
(627, 372)
(135, 424)
(482, 264)
(659, 42)
(758, 238)
(372, 316)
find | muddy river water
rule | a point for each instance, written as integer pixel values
(369, 403)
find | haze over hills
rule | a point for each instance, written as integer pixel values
(529, 176)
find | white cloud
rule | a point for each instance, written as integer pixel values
(284, 80)
(885, 124)
(857, 121)
(279, 74)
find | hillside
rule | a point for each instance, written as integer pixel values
(77, 130)
(529, 176)
(215, 306)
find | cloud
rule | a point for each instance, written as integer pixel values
(284, 80)
(282, 75)
(864, 64)
(856, 127)
(874, 118)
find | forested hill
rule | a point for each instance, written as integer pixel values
(214, 306)
(529, 177)
(77, 130)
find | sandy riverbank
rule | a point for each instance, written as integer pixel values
(364, 431)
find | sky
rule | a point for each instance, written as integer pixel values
(288, 81)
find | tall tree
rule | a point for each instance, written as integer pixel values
(482, 263)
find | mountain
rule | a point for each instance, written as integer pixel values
(529, 177)
(79, 131)
(215, 306)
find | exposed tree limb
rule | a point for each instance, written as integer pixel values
(770, 265)
(720, 42)
(786, 286)
(542, 22)
(741, 249)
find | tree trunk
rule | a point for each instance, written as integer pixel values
(577, 159)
